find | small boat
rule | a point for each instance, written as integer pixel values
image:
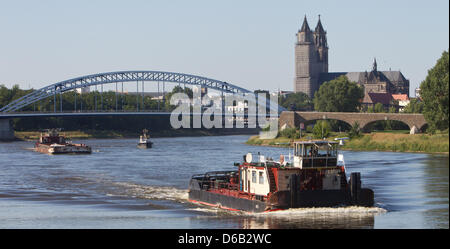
(316, 177)
(51, 142)
(144, 140)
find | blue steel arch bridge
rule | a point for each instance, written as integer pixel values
(120, 77)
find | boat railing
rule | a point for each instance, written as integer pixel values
(217, 179)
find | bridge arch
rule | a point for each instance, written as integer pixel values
(372, 125)
(309, 121)
(122, 76)
(293, 119)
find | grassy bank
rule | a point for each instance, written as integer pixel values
(285, 142)
(98, 134)
(437, 143)
(34, 135)
(377, 141)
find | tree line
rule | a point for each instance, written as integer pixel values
(74, 101)
(92, 101)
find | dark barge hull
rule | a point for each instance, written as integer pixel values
(145, 145)
(226, 202)
(283, 199)
(73, 150)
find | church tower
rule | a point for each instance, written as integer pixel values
(311, 58)
(320, 39)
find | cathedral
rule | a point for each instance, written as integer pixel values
(311, 68)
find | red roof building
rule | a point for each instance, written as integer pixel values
(400, 97)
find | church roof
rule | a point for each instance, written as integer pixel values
(323, 77)
(360, 77)
(376, 76)
(357, 77)
(394, 76)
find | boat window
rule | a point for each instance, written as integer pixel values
(312, 150)
(254, 176)
(333, 150)
(321, 151)
(261, 178)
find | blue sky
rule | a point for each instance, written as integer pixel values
(247, 43)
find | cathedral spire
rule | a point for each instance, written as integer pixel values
(305, 26)
(319, 27)
(374, 68)
(320, 36)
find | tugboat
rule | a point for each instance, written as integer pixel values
(316, 177)
(144, 140)
(53, 143)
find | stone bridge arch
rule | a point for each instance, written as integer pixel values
(293, 119)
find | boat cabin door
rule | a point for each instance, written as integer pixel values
(298, 152)
(245, 181)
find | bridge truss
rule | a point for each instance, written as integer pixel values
(122, 76)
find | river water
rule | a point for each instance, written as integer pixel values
(121, 186)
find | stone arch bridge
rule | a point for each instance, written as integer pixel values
(415, 122)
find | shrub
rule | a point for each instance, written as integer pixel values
(289, 133)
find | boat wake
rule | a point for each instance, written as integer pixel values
(350, 210)
(301, 212)
(150, 192)
(304, 218)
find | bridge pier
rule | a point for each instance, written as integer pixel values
(414, 130)
(6, 130)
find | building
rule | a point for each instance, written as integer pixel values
(402, 100)
(83, 90)
(311, 67)
(417, 92)
(371, 98)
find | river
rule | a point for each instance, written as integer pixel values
(121, 186)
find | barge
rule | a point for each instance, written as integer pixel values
(315, 177)
(51, 142)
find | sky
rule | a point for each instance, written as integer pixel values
(247, 43)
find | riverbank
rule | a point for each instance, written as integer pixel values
(377, 141)
(98, 134)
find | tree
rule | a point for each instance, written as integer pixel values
(296, 102)
(414, 106)
(378, 108)
(8, 95)
(321, 129)
(434, 93)
(354, 131)
(177, 89)
(338, 95)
